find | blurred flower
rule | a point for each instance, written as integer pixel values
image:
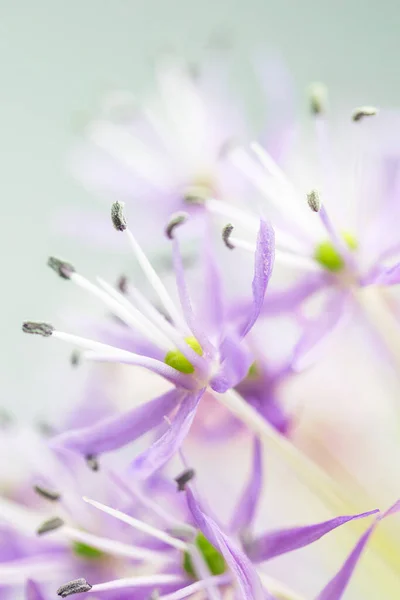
(339, 240)
(162, 154)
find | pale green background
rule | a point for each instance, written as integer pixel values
(58, 56)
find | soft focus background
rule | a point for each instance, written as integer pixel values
(57, 60)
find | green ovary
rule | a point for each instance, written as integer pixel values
(177, 360)
(214, 560)
(327, 255)
(85, 551)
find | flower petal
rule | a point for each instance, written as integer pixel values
(337, 586)
(283, 541)
(235, 361)
(246, 575)
(32, 591)
(165, 447)
(114, 432)
(318, 332)
(263, 264)
(386, 276)
(246, 508)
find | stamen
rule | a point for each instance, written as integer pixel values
(119, 222)
(122, 284)
(318, 95)
(176, 220)
(139, 581)
(92, 462)
(226, 234)
(38, 328)
(167, 334)
(117, 216)
(74, 587)
(46, 493)
(314, 201)
(364, 111)
(123, 309)
(50, 525)
(101, 545)
(184, 478)
(61, 267)
(198, 586)
(150, 530)
(75, 358)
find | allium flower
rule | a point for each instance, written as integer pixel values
(159, 541)
(340, 239)
(164, 152)
(193, 354)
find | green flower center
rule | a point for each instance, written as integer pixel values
(177, 360)
(214, 560)
(327, 255)
(85, 551)
(253, 370)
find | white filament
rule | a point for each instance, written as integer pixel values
(140, 525)
(156, 282)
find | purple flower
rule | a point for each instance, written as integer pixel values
(335, 233)
(193, 350)
(188, 550)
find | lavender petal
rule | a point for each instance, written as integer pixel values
(114, 432)
(155, 457)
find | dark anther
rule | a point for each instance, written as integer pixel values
(364, 111)
(75, 358)
(61, 267)
(314, 201)
(318, 98)
(176, 220)
(74, 587)
(46, 493)
(44, 329)
(50, 525)
(184, 478)
(122, 284)
(92, 462)
(117, 216)
(226, 234)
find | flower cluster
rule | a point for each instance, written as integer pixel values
(136, 502)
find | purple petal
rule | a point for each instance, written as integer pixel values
(337, 586)
(166, 446)
(283, 541)
(318, 332)
(32, 591)
(246, 575)
(263, 264)
(235, 362)
(114, 432)
(386, 276)
(246, 508)
(288, 299)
